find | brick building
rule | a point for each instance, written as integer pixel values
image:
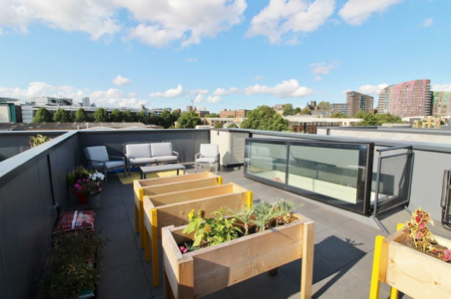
(235, 113)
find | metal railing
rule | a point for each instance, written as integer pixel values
(445, 202)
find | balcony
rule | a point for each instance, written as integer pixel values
(32, 181)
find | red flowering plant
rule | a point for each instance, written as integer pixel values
(423, 239)
(91, 185)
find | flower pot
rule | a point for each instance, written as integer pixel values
(408, 270)
(94, 201)
(81, 197)
(201, 272)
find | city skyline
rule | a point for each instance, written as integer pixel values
(220, 55)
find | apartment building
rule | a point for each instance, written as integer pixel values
(235, 113)
(441, 105)
(356, 101)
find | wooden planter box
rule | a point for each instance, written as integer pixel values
(166, 185)
(173, 209)
(408, 270)
(201, 272)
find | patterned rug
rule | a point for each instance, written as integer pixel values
(136, 175)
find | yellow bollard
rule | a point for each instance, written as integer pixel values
(375, 283)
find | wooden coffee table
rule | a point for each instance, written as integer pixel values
(150, 169)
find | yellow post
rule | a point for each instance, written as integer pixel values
(154, 240)
(429, 122)
(393, 291)
(219, 180)
(250, 199)
(140, 215)
(375, 283)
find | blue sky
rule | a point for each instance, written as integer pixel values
(234, 54)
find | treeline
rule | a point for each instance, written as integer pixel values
(167, 119)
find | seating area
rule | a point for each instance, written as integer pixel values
(148, 153)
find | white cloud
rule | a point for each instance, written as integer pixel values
(159, 22)
(214, 99)
(114, 97)
(372, 89)
(322, 68)
(163, 22)
(198, 98)
(428, 22)
(199, 91)
(285, 18)
(318, 78)
(191, 60)
(356, 12)
(259, 78)
(170, 93)
(119, 80)
(290, 88)
(96, 17)
(224, 92)
(441, 87)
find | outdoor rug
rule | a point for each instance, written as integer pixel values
(136, 175)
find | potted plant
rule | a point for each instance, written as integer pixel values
(413, 260)
(87, 185)
(71, 268)
(38, 140)
(209, 254)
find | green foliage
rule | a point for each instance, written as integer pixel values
(78, 173)
(61, 116)
(297, 110)
(166, 119)
(141, 117)
(370, 119)
(153, 119)
(80, 116)
(70, 266)
(264, 118)
(245, 216)
(42, 116)
(218, 125)
(211, 115)
(306, 111)
(188, 120)
(116, 116)
(264, 213)
(39, 139)
(211, 231)
(174, 116)
(127, 116)
(359, 114)
(232, 126)
(338, 114)
(230, 116)
(288, 110)
(324, 105)
(100, 115)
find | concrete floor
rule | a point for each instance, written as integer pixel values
(342, 261)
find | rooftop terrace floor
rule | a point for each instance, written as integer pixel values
(342, 260)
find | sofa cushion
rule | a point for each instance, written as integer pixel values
(206, 160)
(138, 150)
(161, 149)
(136, 161)
(166, 159)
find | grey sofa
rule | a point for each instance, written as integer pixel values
(145, 153)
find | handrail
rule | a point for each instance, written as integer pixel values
(393, 148)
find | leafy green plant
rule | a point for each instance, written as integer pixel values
(286, 208)
(70, 265)
(38, 140)
(264, 213)
(78, 173)
(211, 231)
(245, 216)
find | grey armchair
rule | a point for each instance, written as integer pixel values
(98, 158)
(208, 155)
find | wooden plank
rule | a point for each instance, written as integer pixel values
(185, 195)
(417, 274)
(171, 257)
(400, 234)
(186, 279)
(174, 179)
(180, 186)
(308, 248)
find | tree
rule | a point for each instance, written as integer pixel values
(188, 120)
(116, 116)
(338, 114)
(288, 110)
(369, 119)
(174, 116)
(306, 111)
(264, 118)
(61, 116)
(219, 125)
(166, 119)
(232, 125)
(127, 116)
(359, 114)
(141, 117)
(324, 106)
(211, 115)
(100, 115)
(153, 119)
(42, 116)
(80, 116)
(230, 116)
(297, 110)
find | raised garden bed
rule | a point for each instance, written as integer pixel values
(173, 209)
(166, 185)
(204, 271)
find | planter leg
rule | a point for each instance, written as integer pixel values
(142, 228)
(308, 249)
(136, 219)
(393, 291)
(147, 245)
(154, 242)
(375, 283)
(273, 272)
(167, 288)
